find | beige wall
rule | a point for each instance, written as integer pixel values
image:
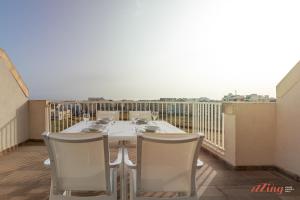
(250, 130)
(14, 121)
(288, 82)
(230, 140)
(287, 154)
(255, 133)
(38, 118)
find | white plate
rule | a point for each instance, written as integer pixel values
(141, 121)
(91, 130)
(102, 121)
(151, 128)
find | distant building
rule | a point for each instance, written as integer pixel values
(257, 98)
(248, 98)
(96, 99)
(233, 97)
(200, 99)
(168, 99)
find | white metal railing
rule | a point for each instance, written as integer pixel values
(205, 117)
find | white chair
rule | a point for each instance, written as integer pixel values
(165, 163)
(80, 164)
(140, 114)
(114, 115)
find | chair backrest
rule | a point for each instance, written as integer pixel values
(79, 161)
(114, 115)
(167, 162)
(140, 114)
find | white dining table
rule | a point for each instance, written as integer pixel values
(122, 131)
(125, 130)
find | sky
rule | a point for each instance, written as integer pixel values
(135, 49)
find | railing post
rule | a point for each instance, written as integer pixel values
(223, 131)
(162, 111)
(48, 117)
(122, 113)
(193, 118)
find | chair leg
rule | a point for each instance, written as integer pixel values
(115, 176)
(125, 183)
(53, 196)
(131, 185)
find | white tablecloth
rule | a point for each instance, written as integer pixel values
(125, 130)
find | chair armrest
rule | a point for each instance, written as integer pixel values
(47, 163)
(199, 163)
(127, 161)
(118, 161)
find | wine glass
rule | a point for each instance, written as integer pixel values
(135, 118)
(154, 115)
(86, 117)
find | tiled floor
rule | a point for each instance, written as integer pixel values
(23, 177)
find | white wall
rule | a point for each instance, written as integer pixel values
(14, 124)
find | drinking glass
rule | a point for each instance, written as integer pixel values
(86, 117)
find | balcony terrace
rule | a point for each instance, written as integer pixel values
(245, 145)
